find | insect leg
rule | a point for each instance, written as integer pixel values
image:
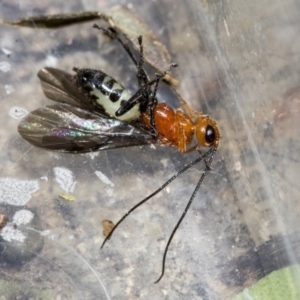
(134, 100)
(143, 79)
(146, 98)
(113, 34)
(207, 169)
(141, 75)
(153, 100)
(160, 76)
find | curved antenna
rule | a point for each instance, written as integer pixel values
(156, 192)
(207, 169)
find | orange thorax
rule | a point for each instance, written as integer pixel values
(173, 127)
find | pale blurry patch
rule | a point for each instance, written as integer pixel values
(21, 217)
(17, 192)
(6, 51)
(51, 61)
(5, 66)
(65, 178)
(106, 181)
(9, 89)
(17, 112)
(91, 155)
(9, 233)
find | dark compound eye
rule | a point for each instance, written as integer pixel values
(210, 134)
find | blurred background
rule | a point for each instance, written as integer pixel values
(238, 62)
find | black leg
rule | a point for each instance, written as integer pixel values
(146, 95)
(141, 73)
(113, 34)
(143, 95)
(153, 99)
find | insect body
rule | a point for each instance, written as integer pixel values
(96, 113)
(103, 90)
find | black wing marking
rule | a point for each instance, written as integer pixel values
(69, 128)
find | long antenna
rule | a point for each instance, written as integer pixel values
(207, 169)
(212, 150)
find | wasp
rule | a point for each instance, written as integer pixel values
(94, 112)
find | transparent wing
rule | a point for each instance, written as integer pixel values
(69, 128)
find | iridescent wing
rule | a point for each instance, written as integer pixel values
(68, 128)
(76, 125)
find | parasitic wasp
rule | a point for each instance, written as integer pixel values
(94, 112)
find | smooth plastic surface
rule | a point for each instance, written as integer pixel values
(239, 63)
